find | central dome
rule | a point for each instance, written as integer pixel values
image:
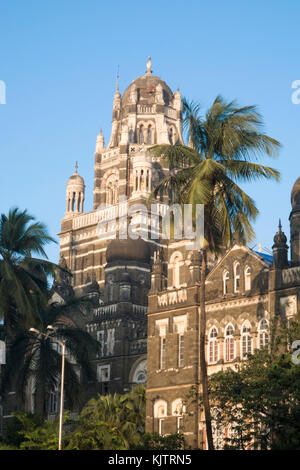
(145, 87)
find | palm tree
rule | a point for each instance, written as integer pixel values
(23, 278)
(208, 171)
(34, 362)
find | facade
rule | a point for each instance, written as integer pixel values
(245, 290)
(148, 289)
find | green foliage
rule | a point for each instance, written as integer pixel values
(110, 422)
(154, 441)
(30, 432)
(208, 171)
(259, 402)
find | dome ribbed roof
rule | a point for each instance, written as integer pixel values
(295, 195)
(145, 86)
(128, 250)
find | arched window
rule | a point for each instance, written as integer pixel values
(229, 343)
(246, 340)
(225, 282)
(131, 136)
(160, 412)
(149, 135)
(171, 136)
(178, 409)
(213, 348)
(176, 272)
(236, 270)
(263, 333)
(141, 134)
(247, 274)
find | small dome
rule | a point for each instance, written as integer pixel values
(280, 237)
(76, 179)
(128, 250)
(295, 195)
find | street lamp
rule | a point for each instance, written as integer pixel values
(62, 343)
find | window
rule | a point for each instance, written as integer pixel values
(161, 430)
(229, 343)
(179, 424)
(247, 278)
(263, 333)
(54, 401)
(246, 340)
(103, 373)
(181, 350)
(176, 272)
(162, 352)
(236, 277)
(160, 412)
(131, 136)
(149, 136)
(101, 339)
(213, 352)
(141, 135)
(225, 282)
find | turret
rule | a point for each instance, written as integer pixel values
(75, 194)
(280, 249)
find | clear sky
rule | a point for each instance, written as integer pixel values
(59, 59)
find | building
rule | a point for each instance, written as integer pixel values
(148, 288)
(245, 290)
(118, 271)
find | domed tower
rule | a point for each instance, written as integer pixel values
(75, 194)
(280, 249)
(147, 114)
(295, 224)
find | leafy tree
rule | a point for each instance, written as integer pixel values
(111, 422)
(208, 172)
(154, 441)
(36, 359)
(23, 278)
(259, 401)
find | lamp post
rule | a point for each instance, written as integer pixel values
(63, 346)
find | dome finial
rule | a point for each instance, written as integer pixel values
(280, 226)
(76, 167)
(149, 65)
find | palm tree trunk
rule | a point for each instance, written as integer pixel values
(203, 368)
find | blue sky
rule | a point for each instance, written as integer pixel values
(59, 59)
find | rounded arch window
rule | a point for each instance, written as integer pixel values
(140, 372)
(213, 347)
(263, 333)
(229, 343)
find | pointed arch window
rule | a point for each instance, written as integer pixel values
(225, 282)
(213, 347)
(246, 340)
(247, 275)
(131, 136)
(176, 272)
(171, 136)
(236, 270)
(229, 343)
(149, 135)
(263, 333)
(141, 134)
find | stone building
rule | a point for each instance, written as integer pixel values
(245, 290)
(117, 271)
(148, 289)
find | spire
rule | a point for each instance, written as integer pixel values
(149, 65)
(280, 249)
(76, 167)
